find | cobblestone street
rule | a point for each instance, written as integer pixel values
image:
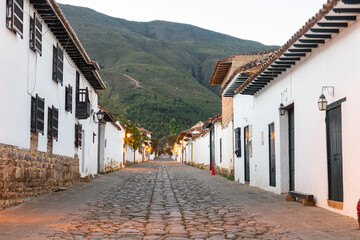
(168, 200)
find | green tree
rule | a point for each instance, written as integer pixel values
(174, 126)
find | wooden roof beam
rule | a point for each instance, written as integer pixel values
(289, 59)
(351, 2)
(340, 18)
(333, 24)
(302, 50)
(346, 10)
(325, 30)
(294, 54)
(317, 41)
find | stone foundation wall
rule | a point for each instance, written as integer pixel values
(27, 173)
(218, 170)
(223, 171)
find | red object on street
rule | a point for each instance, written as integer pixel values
(213, 173)
(358, 212)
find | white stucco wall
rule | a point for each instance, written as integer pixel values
(334, 64)
(25, 74)
(113, 147)
(226, 136)
(202, 150)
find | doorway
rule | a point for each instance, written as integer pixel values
(334, 153)
(291, 149)
(272, 165)
(246, 154)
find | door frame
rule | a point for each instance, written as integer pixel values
(246, 154)
(272, 174)
(291, 176)
(334, 203)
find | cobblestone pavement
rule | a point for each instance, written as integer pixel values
(168, 200)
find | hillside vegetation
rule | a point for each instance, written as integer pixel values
(155, 71)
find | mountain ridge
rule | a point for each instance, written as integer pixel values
(172, 62)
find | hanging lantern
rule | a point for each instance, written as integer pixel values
(322, 103)
(282, 109)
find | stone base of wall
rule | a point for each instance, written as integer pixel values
(223, 171)
(27, 173)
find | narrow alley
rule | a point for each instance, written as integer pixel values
(164, 199)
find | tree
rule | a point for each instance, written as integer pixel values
(136, 136)
(174, 126)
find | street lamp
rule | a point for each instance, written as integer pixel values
(100, 115)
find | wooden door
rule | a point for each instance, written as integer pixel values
(246, 154)
(334, 153)
(291, 150)
(212, 148)
(272, 165)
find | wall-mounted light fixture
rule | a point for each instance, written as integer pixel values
(99, 116)
(322, 103)
(282, 107)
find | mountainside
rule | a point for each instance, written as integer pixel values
(155, 71)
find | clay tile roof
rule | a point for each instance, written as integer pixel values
(211, 121)
(221, 69)
(53, 16)
(327, 7)
(251, 67)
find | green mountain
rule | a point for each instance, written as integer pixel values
(155, 71)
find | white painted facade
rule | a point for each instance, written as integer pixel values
(111, 155)
(202, 150)
(24, 74)
(227, 147)
(333, 64)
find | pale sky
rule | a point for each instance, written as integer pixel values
(271, 22)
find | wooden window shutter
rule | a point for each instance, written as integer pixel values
(80, 135)
(76, 135)
(50, 124)
(15, 16)
(33, 114)
(18, 16)
(10, 14)
(60, 65)
(238, 142)
(55, 123)
(37, 34)
(54, 75)
(70, 98)
(32, 34)
(40, 104)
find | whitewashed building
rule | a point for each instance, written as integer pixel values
(49, 93)
(111, 143)
(305, 149)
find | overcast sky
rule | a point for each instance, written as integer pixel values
(271, 22)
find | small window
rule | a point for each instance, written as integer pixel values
(78, 135)
(68, 98)
(53, 123)
(238, 142)
(15, 16)
(58, 64)
(37, 114)
(36, 34)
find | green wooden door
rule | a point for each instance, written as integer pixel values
(334, 153)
